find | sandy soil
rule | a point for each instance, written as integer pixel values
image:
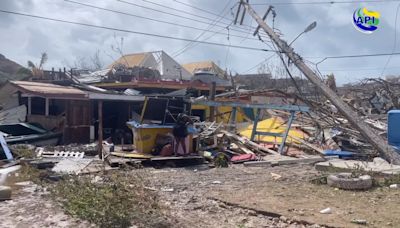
(31, 207)
(232, 197)
(197, 198)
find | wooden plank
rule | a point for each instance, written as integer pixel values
(175, 158)
(249, 143)
(114, 161)
(386, 151)
(284, 162)
(244, 149)
(300, 160)
(319, 150)
(257, 163)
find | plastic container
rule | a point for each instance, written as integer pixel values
(393, 133)
(144, 135)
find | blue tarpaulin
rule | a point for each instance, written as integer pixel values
(341, 154)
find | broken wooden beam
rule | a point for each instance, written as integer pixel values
(386, 151)
(309, 145)
(246, 141)
(284, 161)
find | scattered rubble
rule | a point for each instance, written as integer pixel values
(94, 130)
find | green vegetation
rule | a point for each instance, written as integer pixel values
(23, 151)
(221, 161)
(112, 200)
(116, 199)
(29, 173)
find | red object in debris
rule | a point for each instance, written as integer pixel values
(167, 150)
(293, 152)
(268, 145)
(243, 158)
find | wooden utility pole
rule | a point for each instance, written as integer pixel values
(386, 151)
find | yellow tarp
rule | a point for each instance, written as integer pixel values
(273, 125)
(223, 113)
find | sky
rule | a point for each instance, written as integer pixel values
(24, 38)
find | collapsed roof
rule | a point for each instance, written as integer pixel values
(208, 66)
(157, 60)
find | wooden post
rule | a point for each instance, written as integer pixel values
(387, 152)
(47, 104)
(29, 105)
(213, 89)
(100, 129)
(66, 127)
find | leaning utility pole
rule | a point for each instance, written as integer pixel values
(386, 151)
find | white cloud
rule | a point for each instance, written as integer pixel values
(25, 38)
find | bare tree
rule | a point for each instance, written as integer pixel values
(97, 63)
(91, 63)
(118, 48)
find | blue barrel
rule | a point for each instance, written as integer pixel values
(393, 132)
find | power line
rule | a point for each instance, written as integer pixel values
(258, 64)
(324, 2)
(147, 18)
(197, 8)
(134, 32)
(181, 11)
(394, 42)
(176, 15)
(190, 45)
(356, 56)
(358, 69)
(206, 11)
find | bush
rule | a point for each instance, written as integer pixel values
(113, 200)
(221, 161)
(23, 150)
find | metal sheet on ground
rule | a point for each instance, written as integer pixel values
(71, 165)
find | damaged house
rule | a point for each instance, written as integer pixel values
(73, 111)
(71, 103)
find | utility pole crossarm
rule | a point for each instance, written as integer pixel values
(386, 151)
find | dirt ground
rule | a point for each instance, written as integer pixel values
(231, 197)
(215, 198)
(31, 207)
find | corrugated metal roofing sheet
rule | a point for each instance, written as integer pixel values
(131, 60)
(204, 66)
(49, 90)
(53, 91)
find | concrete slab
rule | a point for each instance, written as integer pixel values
(377, 165)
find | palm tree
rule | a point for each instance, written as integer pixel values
(37, 71)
